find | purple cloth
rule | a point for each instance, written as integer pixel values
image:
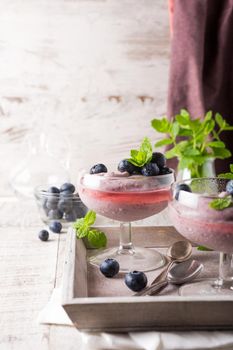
(201, 71)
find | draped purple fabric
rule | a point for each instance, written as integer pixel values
(201, 70)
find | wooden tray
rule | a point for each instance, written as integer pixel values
(96, 303)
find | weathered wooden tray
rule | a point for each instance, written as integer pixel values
(96, 303)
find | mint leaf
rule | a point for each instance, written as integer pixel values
(221, 203)
(228, 127)
(185, 113)
(216, 144)
(208, 116)
(221, 153)
(83, 228)
(90, 218)
(219, 120)
(96, 238)
(161, 125)
(143, 156)
(175, 129)
(78, 223)
(203, 248)
(81, 231)
(190, 151)
(183, 120)
(163, 142)
(209, 127)
(226, 175)
(146, 146)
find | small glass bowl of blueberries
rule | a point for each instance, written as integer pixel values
(60, 203)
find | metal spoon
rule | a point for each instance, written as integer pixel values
(178, 274)
(177, 252)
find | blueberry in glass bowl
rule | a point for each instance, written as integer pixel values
(59, 203)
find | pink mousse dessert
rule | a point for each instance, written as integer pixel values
(124, 197)
(193, 217)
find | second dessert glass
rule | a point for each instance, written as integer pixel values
(126, 199)
(193, 217)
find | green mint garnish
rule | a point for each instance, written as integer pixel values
(228, 175)
(221, 203)
(200, 139)
(143, 155)
(96, 238)
(204, 249)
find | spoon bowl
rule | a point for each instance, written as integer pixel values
(180, 251)
(184, 272)
(177, 252)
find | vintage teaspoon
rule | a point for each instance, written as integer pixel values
(181, 273)
(177, 252)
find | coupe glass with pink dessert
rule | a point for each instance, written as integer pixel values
(202, 212)
(126, 197)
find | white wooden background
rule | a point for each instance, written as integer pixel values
(92, 71)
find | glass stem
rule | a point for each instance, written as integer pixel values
(225, 270)
(126, 245)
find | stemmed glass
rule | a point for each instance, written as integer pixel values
(193, 217)
(126, 199)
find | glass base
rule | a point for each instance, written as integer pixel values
(140, 259)
(207, 287)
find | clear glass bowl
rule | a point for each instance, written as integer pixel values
(58, 206)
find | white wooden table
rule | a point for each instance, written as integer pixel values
(75, 67)
(29, 270)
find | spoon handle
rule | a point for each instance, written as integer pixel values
(153, 288)
(163, 275)
(160, 281)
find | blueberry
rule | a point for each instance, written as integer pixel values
(136, 280)
(70, 216)
(109, 267)
(43, 235)
(164, 170)
(159, 159)
(65, 205)
(150, 169)
(181, 187)
(229, 187)
(55, 226)
(125, 165)
(53, 189)
(66, 194)
(67, 187)
(80, 209)
(52, 203)
(55, 214)
(98, 168)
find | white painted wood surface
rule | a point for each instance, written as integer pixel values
(94, 72)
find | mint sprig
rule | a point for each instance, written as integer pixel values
(221, 203)
(228, 175)
(204, 249)
(225, 202)
(95, 237)
(200, 139)
(143, 155)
